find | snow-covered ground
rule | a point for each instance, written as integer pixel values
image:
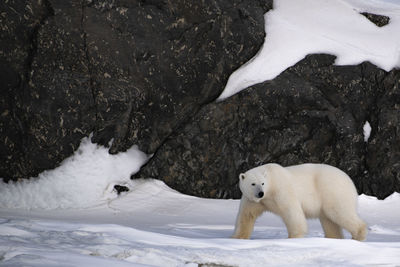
(295, 29)
(157, 226)
(72, 216)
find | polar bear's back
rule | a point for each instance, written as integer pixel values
(319, 186)
(320, 174)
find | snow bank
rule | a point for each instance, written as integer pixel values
(332, 26)
(153, 225)
(84, 179)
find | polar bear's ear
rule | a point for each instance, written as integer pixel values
(242, 176)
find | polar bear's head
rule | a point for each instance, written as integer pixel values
(254, 184)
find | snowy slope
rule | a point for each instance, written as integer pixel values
(295, 29)
(82, 180)
(71, 216)
(156, 226)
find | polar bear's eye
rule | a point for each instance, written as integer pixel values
(253, 184)
(262, 184)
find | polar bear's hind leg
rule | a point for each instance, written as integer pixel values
(331, 229)
(351, 222)
(359, 232)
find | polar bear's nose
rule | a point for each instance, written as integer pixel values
(261, 194)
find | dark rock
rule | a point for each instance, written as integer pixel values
(312, 112)
(131, 71)
(47, 98)
(378, 20)
(147, 73)
(151, 79)
(120, 189)
(383, 152)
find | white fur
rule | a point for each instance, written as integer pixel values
(299, 192)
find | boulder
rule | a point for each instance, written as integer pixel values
(148, 72)
(378, 20)
(312, 112)
(130, 72)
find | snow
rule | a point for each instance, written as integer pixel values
(153, 225)
(71, 216)
(81, 180)
(332, 26)
(367, 131)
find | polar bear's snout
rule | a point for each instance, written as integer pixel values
(259, 191)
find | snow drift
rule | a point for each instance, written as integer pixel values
(333, 27)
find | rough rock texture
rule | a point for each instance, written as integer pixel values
(312, 112)
(46, 101)
(383, 151)
(161, 72)
(378, 20)
(131, 71)
(147, 72)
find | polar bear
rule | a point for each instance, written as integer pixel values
(296, 193)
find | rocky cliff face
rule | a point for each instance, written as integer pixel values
(148, 72)
(312, 112)
(131, 71)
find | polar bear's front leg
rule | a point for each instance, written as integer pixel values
(294, 219)
(248, 213)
